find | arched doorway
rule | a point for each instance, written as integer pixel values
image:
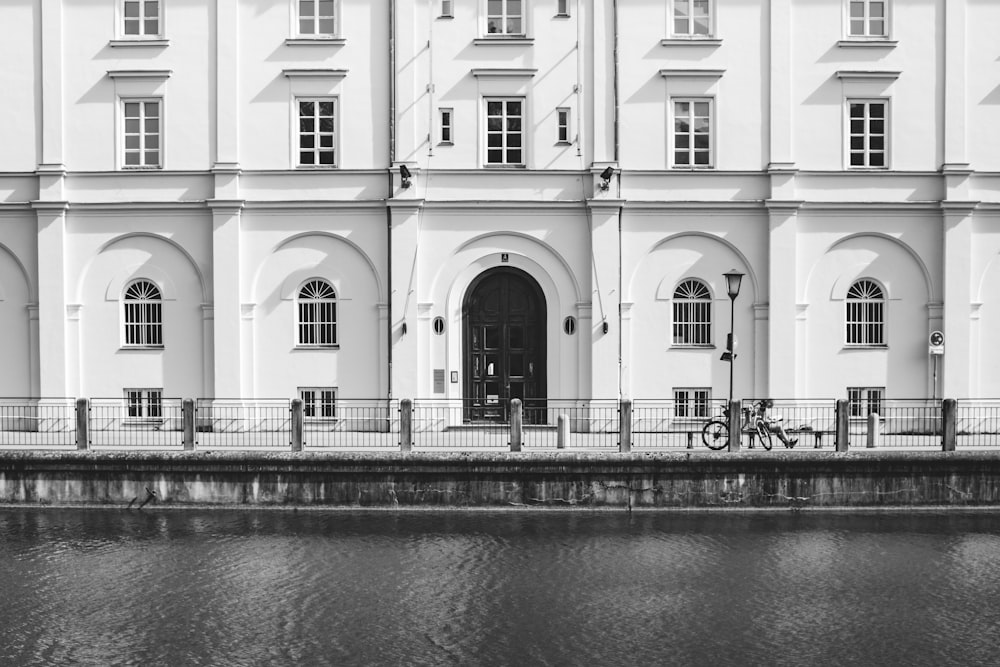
(503, 344)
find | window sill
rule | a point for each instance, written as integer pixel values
(317, 347)
(141, 348)
(686, 168)
(504, 166)
(692, 346)
(564, 143)
(691, 41)
(867, 43)
(141, 168)
(315, 41)
(315, 167)
(142, 421)
(127, 42)
(446, 143)
(874, 346)
(861, 170)
(518, 40)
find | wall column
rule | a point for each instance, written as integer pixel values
(956, 363)
(53, 343)
(404, 232)
(227, 295)
(780, 79)
(605, 331)
(782, 261)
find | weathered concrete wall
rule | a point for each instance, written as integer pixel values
(664, 480)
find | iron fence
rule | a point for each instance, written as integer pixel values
(905, 423)
(811, 422)
(114, 423)
(977, 423)
(459, 424)
(242, 423)
(37, 422)
(353, 423)
(668, 424)
(571, 424)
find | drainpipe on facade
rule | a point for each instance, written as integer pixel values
(388, 195)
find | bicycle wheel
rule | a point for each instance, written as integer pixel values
(715, 434)
(764, 435)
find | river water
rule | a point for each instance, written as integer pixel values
(221, 587)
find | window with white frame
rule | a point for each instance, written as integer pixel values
(692, 136)
(318, 402)
(447, 8)
(505, 131)
(142, 307)
(144, 403)
(693, 402)
(692, 18)
(142, 135)
(865, 313)
(316, 132)
(141, 18)
(562, 8)
(317, 311)
(692, 314)
(505, 17)
(317, 18)
(562, 125)
(447, 117)
(867, 18)
(867, 133)
(863, 401)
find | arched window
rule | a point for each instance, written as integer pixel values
(143, 307)
(865, 315)
(692, 314)
(317, 314)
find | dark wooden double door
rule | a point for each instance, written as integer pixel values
(503, 345)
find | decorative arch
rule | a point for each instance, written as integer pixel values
(289, 285)
(133, 272)
(24, 274)
(123, 276)
(843, 283)
(665, 291)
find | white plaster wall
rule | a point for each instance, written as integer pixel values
(106, 367)
(985, 309)
(19, 112)
(15, 360)
(284, 251)
(983, 85)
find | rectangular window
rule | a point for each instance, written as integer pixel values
(562, 126)
(318, 402)
(867, 18)
(692, 133)
(316, 132)
(446, 8)
(505, 17)
(142, 133)
(504, 132)
(316, 18)
(867, 133)
(865, 322)
(144, 403)
(446, 125)
(863, 401)
(693, 402)
(562, 7)
(141, 18)
(692, 18)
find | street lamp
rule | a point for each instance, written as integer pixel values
(733, 280)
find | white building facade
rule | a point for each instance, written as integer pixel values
(411, 198)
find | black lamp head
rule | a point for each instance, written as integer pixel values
(606, 177)
(404, 173)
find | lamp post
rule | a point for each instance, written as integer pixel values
(733, 279)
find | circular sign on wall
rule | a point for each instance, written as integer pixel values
(936, 338)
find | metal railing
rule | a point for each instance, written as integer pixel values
(666, 424)
(977, 423)
(112, 424)
(221, 423)
(812, 422)
(460, 423)
(906, 423)
(571, 424)
(37, 422)
(353, 424)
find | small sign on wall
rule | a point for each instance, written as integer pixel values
(438, 380)
(504, 257)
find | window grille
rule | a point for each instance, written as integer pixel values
(317, 314)
(143, 315)
(692, 309)
(865, 314)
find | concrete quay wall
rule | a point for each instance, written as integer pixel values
(503, 480)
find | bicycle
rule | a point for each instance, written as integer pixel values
(715, 433)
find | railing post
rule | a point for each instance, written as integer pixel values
(872, 435)
(625, 426)
(562, 431)
(83, 423)
(735, 426)
(842, 421)
(187, 421)
(406, 425)
(515, 424)
(297, 417)
(949, 426)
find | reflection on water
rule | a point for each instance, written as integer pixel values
(249, 588)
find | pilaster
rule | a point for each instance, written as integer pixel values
(404, 235)
(227, 281)
(782, 344)
(605, 277)
(955, 373)
(52, 83)
(955, 117)
(52, 315)
(780, 77)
